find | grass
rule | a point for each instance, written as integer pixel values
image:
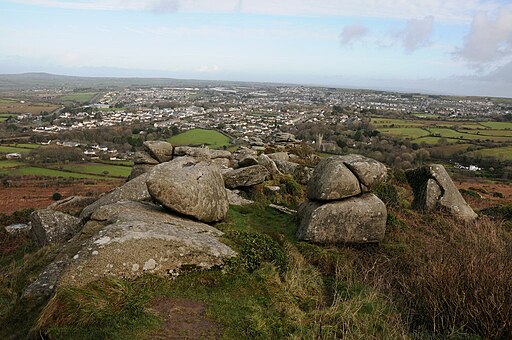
(501, 153)
(12, 149)
(81, 97)
(7, 107)
(6, 164)
(498, 125)
(45, 172)
(489, 132)
(212, 138)
(404, 132)
(379, 122)
(98, 169)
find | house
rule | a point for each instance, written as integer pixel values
(13, 156)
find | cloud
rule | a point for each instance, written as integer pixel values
(208, 69)
(352, 33)
(502, 73)
(416, 33)
(489, 39)
(165, 5)
(443, 10)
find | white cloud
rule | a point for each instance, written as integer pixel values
(352, 33)
(416, 33)
(443, 10)
(489, 39)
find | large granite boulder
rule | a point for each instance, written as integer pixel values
(284, 137)
(301, 173)
(190, 188)
(248, 160)
(53, 227)
(367, 170)
(143, 238)
(332, 180)
(201, 153)
(360, 219)
(279, 156)
(134, 190)
(245, 177)
(433, 188)
(139, 169)
(269, 164)
(142, 157)
(159, 150)
(72, 205)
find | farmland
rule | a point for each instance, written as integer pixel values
(212, 138)
(8, 106)
(98, 169)
(79, 97)
(499, 153)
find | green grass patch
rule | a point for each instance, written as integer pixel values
(12, 149)
(489, 132)
(44, 172)
(396, 122)
(10, 164)
(81, 97)
(500, 153)
(498, 125)
(98, 169)
(212, 138)
(404, 132)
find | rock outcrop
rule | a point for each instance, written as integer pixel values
(189, 188)
(159, 150)
(245, 177)
(53, 227)
(337, 210)
(433, 189)
(143, 238)
(301, 173)
(72, 205)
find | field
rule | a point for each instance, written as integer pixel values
(405, 132)
(81, 97)
(498, 125)
(98, 169)
(212, 138)
(8, 164)
(15, 106)
(13, 149)
(500, 153)
(45, 172)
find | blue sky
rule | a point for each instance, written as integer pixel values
(437, 46)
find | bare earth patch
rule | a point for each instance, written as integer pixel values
(183, 319)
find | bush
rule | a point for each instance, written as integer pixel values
(458, 280)
(56, 196)
(388, 194)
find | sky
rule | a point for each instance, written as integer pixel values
(433, 46)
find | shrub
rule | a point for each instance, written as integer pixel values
(388, 194)
(56, 196)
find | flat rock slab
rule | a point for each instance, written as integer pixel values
(190, 188)
(433, 188)
(134, 190)
(202, 153)
(332, 180)
(245, 177)
(144, 239)
(53, 227)
(359, 219)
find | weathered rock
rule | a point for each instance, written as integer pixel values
(433, 188)
(247, 161)
(301, 173)
(243, 152)
(142, 157)
(143, 238)
(284, 137)
(201, 153)
(159, 150)
(235, 199)
(139, 169)
(18, 228)
(367, 170)
(45, 283)
(269, 164)
(245, 177)
(279, 156)
(190, 188)
(72, 205)
(134, 190)
(222, 163)
(359, 219)
(332, 180)
(53, 227)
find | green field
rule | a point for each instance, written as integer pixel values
(98, 169)
(500, 153)
(498, 125)
(12, 149)
(36, 171)
(396, 122)
(212, 138)
(404, 132)
(82, 97)
(8, 164)
(489, 132)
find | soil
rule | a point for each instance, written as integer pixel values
(30, 192)
(183, 319)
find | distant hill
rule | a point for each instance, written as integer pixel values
(47, 80)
